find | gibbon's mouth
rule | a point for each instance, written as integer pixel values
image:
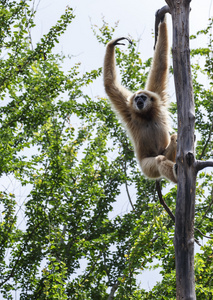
(140, 104)
(140, 100)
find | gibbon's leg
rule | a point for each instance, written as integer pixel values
(159, 166)
(167, 169)
(171, 149)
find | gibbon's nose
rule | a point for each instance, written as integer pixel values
(139, 100)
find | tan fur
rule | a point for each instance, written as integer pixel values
(148, 126)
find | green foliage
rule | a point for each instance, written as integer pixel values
(66, 238)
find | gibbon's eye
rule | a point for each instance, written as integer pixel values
(152, 99)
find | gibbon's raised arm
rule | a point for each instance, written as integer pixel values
(158, 75)
(116, 92)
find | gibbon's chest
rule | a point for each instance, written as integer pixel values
(150, 138)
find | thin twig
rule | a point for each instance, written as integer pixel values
(167, 209)
(130, 200)
(207, 142)
(206, 236)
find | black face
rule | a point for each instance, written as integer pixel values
(140, 100)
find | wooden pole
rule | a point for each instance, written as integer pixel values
(187, 171)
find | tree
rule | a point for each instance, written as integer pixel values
(185, 207)
(72, 158)
(186, 162)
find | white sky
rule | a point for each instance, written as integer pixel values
(136, 18)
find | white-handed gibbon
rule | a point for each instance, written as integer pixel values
(145, 113)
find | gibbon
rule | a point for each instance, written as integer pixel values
(145, 113)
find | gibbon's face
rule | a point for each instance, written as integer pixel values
(142, 102)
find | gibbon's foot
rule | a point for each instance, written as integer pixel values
(158, 166)
(170, 151)
(116, 42)
(174, 138)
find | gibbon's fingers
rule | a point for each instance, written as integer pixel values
(116, 42)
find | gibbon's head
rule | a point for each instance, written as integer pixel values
(144, 101)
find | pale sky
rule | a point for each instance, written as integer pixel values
(136, 18)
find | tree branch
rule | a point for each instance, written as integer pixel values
(113, 290)
(200, 165)
(206, 236)
(130, 200)
(126, 185)
(158, 188)
(207, 142)
(21, 251)
(167, 209)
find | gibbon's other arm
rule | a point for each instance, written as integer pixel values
(116, 92)
(158, 75)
